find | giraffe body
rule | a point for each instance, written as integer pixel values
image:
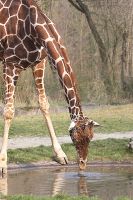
(17, 42)
(27, 38)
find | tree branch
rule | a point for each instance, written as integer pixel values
(102, 48)
(75, 5)
(81, 4)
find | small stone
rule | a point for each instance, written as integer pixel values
(130, 144)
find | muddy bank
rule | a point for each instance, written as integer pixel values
(52, 164)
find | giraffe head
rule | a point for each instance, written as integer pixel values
(81, 133)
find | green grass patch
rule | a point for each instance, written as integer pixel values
(112, 119)
(110, 150)
(36, 126)
(106, 150)
(29, 155)
(58, 197)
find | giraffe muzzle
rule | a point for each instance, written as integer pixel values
(82, 164)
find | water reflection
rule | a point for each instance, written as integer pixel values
(107, 183)
(3, 186)
(59, 182)
(82, 186)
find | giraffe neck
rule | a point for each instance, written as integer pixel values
(66, 75)
(76, 112)
(57, 54)
(73, 101)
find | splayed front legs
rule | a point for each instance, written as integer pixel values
(38, 73)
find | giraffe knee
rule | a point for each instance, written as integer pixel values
(8, 113)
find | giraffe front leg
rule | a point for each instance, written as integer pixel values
(3, 153)
(3, 187)
(38, 73)
(10, 77)
(60, 156)
(8, 116)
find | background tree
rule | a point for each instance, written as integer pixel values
(104, 71)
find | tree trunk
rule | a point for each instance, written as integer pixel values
(104, 71)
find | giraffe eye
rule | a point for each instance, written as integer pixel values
(71, 133)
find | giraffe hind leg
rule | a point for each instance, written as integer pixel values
(38, 73)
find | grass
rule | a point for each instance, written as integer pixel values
(112, 119)
(58, 197)
(35, 125)
(106, 150)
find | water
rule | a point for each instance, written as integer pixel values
(104, 182)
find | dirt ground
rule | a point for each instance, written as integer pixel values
(26, 142)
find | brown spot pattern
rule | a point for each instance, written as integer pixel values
(29, 44)
(20, 51)
(3, 13)
(23, 12)
(2, 31)
(14, 7)
(20, 29)
(11, 27)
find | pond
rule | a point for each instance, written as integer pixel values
(105, 182)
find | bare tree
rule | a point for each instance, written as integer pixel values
(105, 75)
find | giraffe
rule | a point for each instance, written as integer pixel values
(27, 39)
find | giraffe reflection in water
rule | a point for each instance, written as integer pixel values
(82, 186)
(3, 186)
(60, 184)
(56, 188)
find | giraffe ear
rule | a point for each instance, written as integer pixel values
(94, 123)
(72, 125)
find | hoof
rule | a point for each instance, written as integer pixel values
(61, 160)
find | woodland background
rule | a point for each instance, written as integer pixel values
(98, 35)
